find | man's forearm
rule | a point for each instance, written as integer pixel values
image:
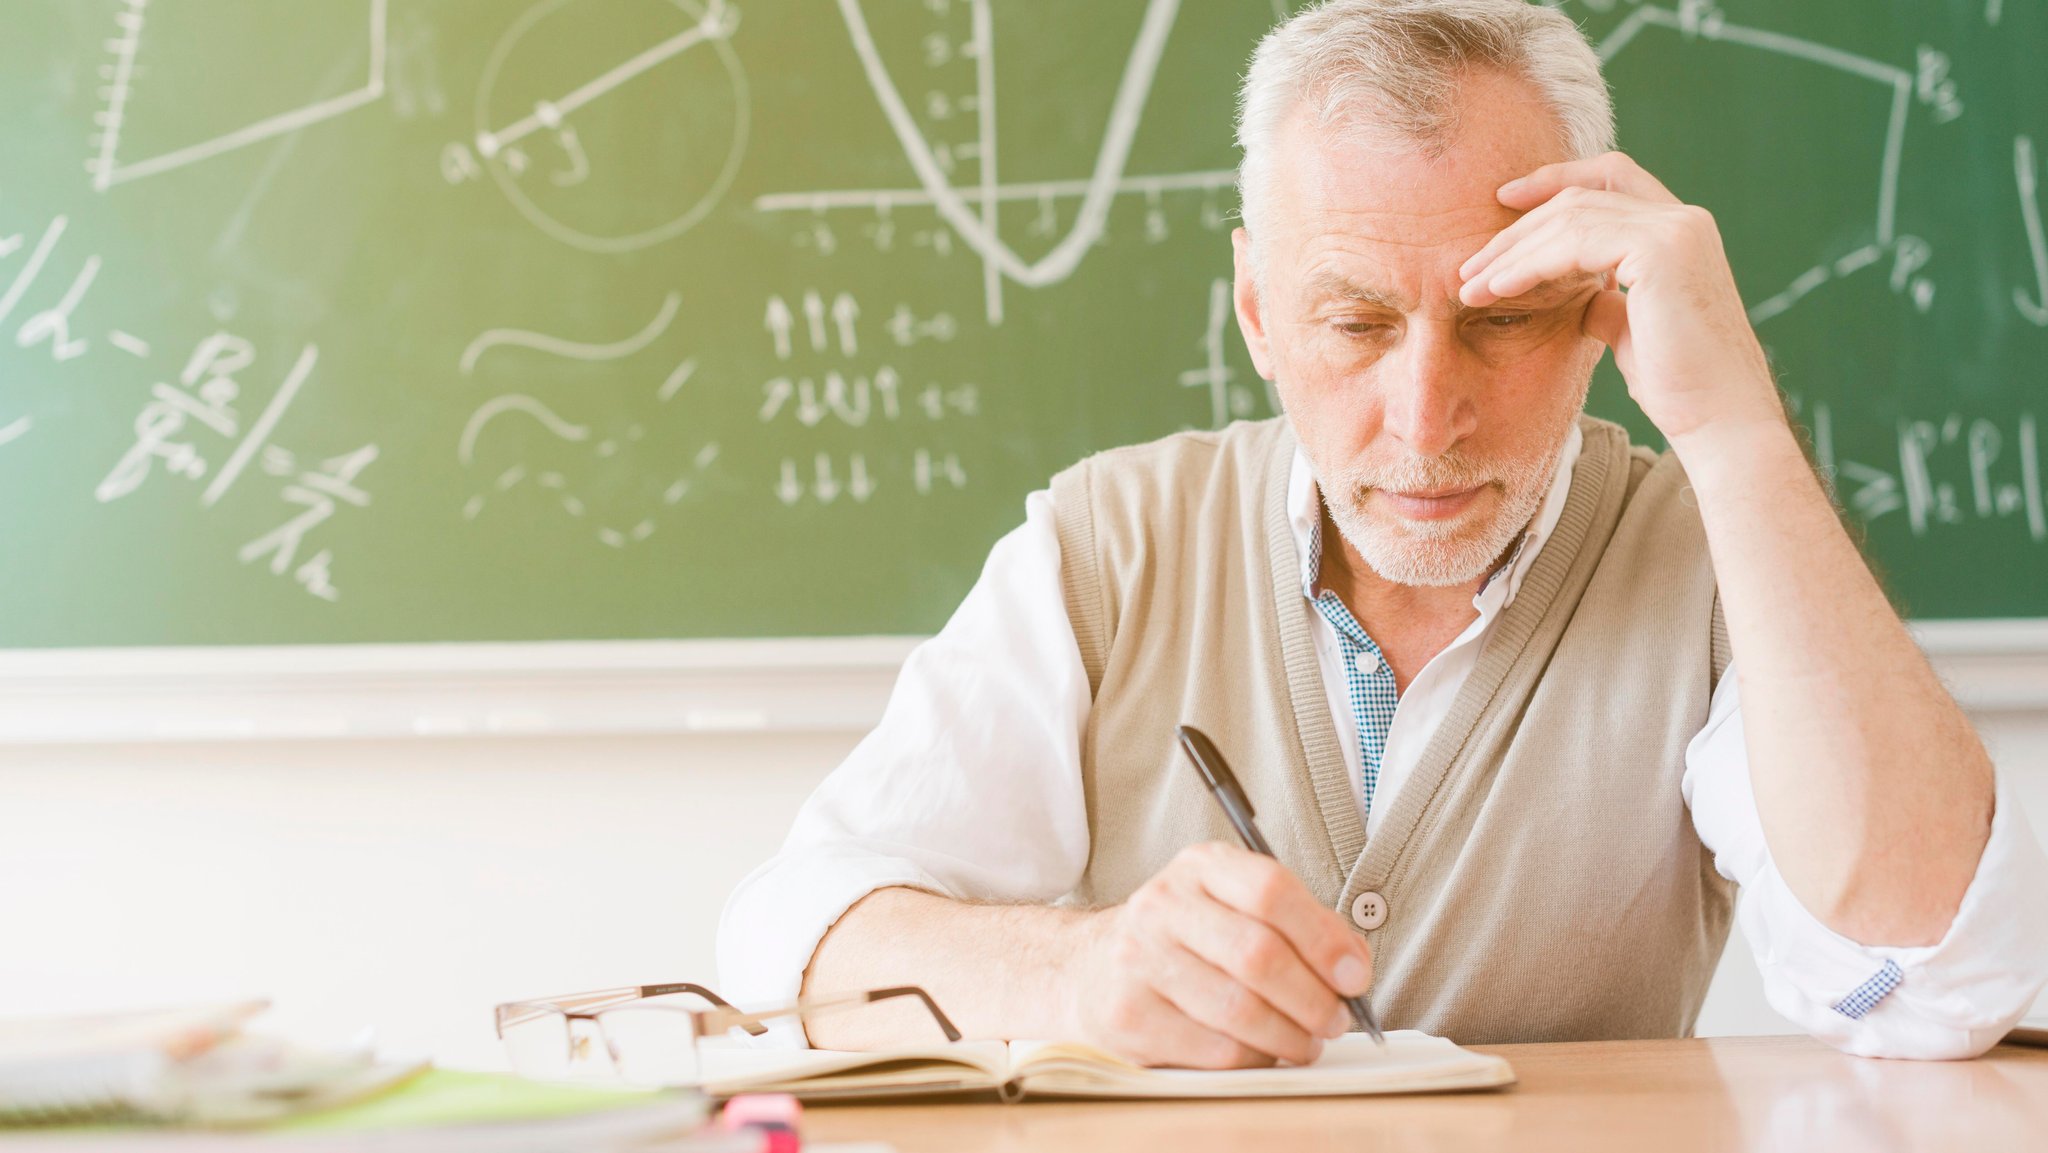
(998, 971)
(1874, 792)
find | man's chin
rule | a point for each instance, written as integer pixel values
(1431, 552)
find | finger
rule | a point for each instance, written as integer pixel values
(1151, 1030)
(1578, 208)
(1612, 172)
(1263, 889)
(1607, 317)
(1257, 957)
(1507, 237)
(1554, 254)
(1222, 1004)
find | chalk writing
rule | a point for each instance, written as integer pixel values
(204, 396)
(316, 490)
(1946, 471)
(2035, 307)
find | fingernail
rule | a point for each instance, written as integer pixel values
(1339, 1024)
(1315, 1050)
(1511, 185)
(1350, 976)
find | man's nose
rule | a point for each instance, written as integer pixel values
(1428, 403)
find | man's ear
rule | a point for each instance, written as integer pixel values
(1250, 321)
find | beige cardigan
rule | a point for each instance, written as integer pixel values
(1538, 877)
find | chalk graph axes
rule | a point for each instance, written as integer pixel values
(1695, 21)
(106, 169)
(978, 228)
(1125, 115)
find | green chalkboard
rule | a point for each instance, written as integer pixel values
(399, 320)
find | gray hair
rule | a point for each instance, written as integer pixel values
(1389, 70)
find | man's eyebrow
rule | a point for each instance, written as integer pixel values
(1331, 284)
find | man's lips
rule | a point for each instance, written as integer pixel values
(1430, 504)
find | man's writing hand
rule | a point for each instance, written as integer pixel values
(1223, 959)
(1680, 334)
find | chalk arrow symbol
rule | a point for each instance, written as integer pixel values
(852, 406)
(861, 485)
(779, 322)
(814, 312)
(828, 487)
(808, 409)
(845, 311)
(790, 490)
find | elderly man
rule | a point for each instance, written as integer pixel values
(1519, 705)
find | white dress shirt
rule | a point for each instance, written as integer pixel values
(971, 786)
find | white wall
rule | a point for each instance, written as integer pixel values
(409, 885)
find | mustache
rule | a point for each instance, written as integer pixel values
(1452, 472)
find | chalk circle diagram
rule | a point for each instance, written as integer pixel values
(615, 125)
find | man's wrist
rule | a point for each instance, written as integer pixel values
(1082, 935)
(1737, 449)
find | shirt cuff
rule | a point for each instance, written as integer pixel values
(1954, 998)
(774, 920)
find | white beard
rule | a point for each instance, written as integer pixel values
(1438, 553)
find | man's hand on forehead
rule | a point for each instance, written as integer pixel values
(1671, 311)
(1551, 293)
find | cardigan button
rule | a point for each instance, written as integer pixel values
(1368, 911)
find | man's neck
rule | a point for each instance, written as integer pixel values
(1410, 623)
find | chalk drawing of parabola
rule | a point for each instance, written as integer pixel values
(615, 125)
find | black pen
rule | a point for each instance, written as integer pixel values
(1223, 783)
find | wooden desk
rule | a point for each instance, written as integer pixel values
(1788, 1094)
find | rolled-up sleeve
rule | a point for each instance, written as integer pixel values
(1954, 998)
(969, 787)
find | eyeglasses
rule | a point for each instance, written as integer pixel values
(652, 1034)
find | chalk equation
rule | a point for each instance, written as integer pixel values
(193, 429)
(46, 285)
(1949, 470)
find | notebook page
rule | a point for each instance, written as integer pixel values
(1413, 1062)
(981, 1064)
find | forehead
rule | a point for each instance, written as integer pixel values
(1331, 189)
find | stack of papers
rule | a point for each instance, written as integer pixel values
(192, 1065)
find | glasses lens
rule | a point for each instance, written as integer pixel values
(652, 1040)
(539, 1046)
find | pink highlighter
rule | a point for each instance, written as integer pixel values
(774, 1116)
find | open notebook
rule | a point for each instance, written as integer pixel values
(1412, 1063)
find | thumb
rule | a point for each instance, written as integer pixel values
(1607, 317)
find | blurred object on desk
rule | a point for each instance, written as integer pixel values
(193, 1065)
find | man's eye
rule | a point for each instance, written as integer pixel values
(1508, 320)
(1359, 328)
